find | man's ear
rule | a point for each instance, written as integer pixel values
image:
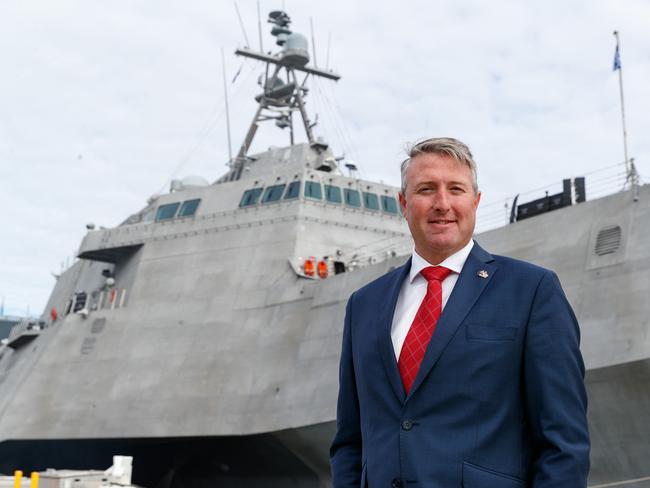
(402, 202)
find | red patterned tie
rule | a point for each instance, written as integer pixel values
(424, 323)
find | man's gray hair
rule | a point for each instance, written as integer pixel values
(446, 146)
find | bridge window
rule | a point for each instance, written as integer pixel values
(167, 212)
(189, 208)
(313, 190)
(250, 197)
(370, 201)
(352, 198)
(273, 193)
(333, 194)
(389, 204)
(293, 190)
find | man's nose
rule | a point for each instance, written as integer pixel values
(441, 201)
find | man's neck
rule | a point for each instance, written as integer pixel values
(437, 259)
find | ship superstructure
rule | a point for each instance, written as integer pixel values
(208, 313)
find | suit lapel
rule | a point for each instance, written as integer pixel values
(471, 283)
(386, 313)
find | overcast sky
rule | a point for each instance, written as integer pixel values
(101, 103)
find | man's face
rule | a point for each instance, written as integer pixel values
(439, 205)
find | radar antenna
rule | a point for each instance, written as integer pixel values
(282, 95)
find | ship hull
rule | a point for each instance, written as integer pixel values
(619, 399)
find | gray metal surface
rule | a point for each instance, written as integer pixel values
(608, 293)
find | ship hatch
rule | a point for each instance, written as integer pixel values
(608, 240)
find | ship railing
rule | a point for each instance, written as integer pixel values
(111, 299)
(105, 299)
(599, 183)
(366, 257)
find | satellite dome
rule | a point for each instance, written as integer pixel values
(296, 51)
(194, 180)
(191, 181)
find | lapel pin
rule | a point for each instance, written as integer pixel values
(483, 273)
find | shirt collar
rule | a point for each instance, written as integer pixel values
(455, 262)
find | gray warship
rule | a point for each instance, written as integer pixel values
(202, 335)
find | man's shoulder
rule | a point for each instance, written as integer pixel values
(516, 267)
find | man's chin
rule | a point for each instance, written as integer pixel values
(437, 250)
(442, 241)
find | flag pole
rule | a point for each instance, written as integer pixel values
(618, 66)
(630, 169)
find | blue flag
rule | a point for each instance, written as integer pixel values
(617, 59)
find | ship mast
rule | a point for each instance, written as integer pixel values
(283, 94)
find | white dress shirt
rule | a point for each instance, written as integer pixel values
(414, 288)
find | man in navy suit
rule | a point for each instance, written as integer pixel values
(460, 368)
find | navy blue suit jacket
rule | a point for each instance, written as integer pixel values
(499, 400)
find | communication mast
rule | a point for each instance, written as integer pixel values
(282, 93)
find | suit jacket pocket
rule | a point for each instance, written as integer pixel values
(477, 477)
(490, 333)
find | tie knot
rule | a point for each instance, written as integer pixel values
(438, 273)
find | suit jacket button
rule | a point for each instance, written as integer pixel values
(397, 483)
(407, 424)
